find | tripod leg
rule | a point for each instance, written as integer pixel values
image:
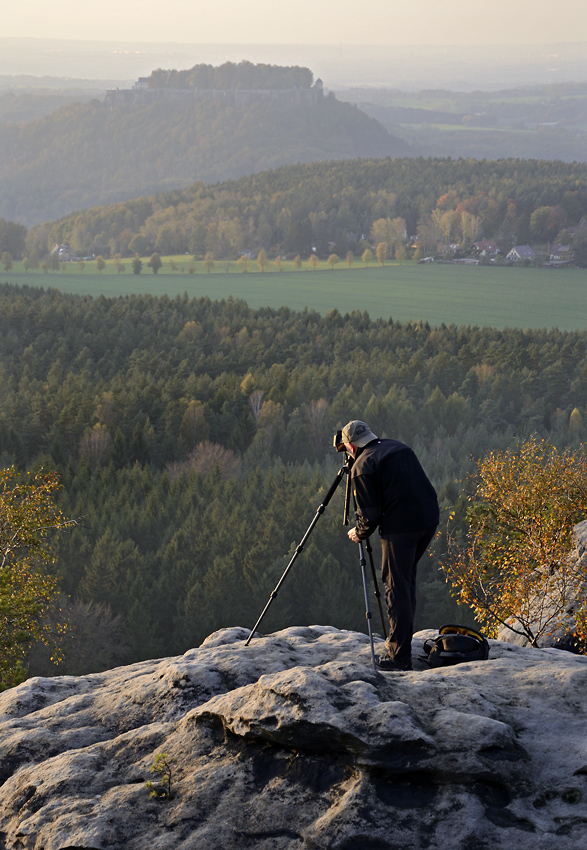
(377, 593)
(300, 547)
(367, 608)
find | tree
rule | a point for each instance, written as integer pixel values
(138, 245)
(367, 256)
(26, 264)
(28, 516)
(400, 254)
(580, 250)
(206, 459)
(256, 403)
(333, 260)
(391, 231)
(193, 427)
(94, 640)
(262, 259)
(12, 237)
(297, 262)
(95, 446)
(317, 413)
(244, 263)
(350, 258)
(381, 252)
(155, 263)
(100, 264)
(118, 263)
(575, 421)
(209, 261)
(513, 568)
(7, 261)
(137, 265)
(197, 241)
(313, 261)
(539, 222)
(278, 264)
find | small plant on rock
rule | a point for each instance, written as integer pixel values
(161, 790)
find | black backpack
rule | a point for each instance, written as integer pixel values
(454, 645)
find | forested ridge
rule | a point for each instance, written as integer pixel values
(337, 206)
(87, 154)
(194, 438)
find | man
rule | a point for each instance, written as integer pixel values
(392, 492)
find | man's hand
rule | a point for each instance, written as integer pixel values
(353, 535)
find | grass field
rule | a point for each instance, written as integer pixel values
(471, 295)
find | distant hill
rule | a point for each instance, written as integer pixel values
(82, 155)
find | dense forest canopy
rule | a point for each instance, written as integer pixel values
(233, 75)
(337, 206)
(194, 437)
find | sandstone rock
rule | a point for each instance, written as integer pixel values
(295, 742)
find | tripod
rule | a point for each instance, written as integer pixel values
(344, 470)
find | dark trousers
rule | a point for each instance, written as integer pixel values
(400, 556)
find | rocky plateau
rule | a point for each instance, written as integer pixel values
(295, 742)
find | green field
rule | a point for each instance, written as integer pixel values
(462, 295)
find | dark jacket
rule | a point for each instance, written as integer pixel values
(392, 490)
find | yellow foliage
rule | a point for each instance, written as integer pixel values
(515, 560)
(28, 516)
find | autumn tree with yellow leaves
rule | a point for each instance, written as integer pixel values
(28, 519)
(513, 566)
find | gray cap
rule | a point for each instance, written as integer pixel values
(358, 433)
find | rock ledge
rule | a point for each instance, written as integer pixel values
(294, 742)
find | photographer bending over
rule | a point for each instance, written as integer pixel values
(392, 492)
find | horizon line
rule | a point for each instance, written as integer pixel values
(335, 44)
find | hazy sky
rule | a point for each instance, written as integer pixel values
(300, 21)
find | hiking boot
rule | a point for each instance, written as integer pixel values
(386, 662)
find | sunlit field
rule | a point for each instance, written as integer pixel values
(475, 295)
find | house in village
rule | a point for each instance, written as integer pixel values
(485, 249)
(520, 253)
(559, 254)
(62, 252)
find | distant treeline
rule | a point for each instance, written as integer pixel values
(339, 206)
(233, 75)
(195, 438)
